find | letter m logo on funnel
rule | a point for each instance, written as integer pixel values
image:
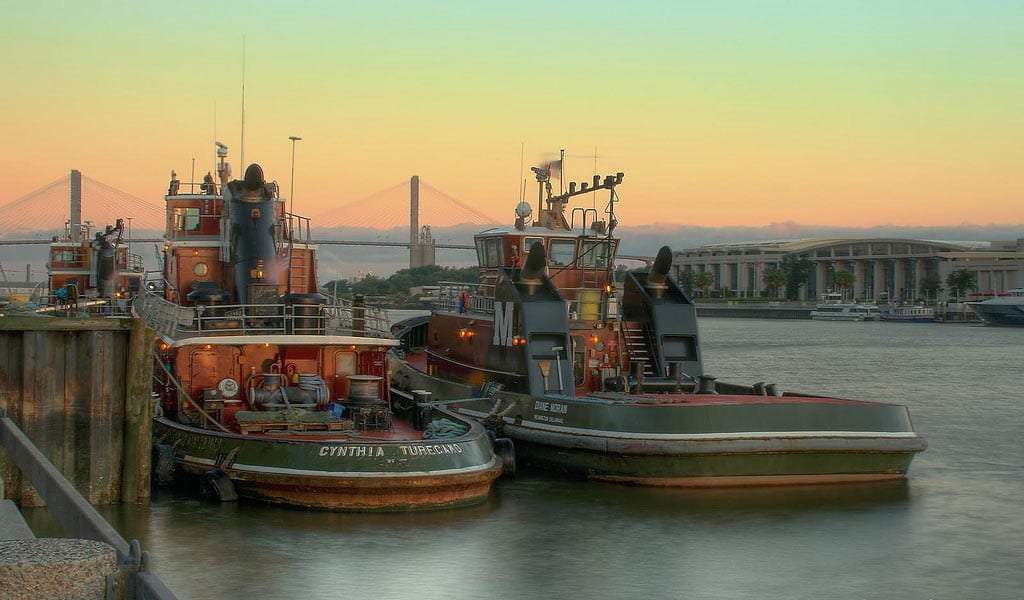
(503, 312)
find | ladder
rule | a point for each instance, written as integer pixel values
(639, 345)
(298, 271)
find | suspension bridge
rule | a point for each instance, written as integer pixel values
(373, 220)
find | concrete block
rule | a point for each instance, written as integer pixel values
(55, 568)
(12, 524)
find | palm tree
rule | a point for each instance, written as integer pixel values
(843, 280)
(704, 280)
(961, 280)
(931, 285)
(774, 280)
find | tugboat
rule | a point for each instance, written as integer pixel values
(272, 391)
(90, 272)
(608, 385)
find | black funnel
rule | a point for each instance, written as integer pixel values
(535, 262)
(661, 266)
(254, 177)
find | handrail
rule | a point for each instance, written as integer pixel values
(338, 317)
(481, 297)
(76, 516)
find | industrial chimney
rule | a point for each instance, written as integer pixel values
(75, 188)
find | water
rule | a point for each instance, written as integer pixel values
(955, 529)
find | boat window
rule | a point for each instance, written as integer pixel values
(480, 256)
(529, 242)
(345, 363)
(595, 255)
(186, 219)
(493, 248)
(579, 359)
(563, 252)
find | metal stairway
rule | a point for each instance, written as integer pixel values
(298, 271)
(639, 345)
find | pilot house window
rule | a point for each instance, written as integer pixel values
(563, 252)
(186, 219)
(493, 249)
(594, 255)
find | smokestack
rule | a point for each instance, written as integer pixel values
(414, 210)
(75, 187)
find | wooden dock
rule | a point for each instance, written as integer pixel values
(80, 390)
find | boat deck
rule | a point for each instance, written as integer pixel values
(716, 399)
(401, 431)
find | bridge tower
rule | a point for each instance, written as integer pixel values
(422, 251)
(75, 199)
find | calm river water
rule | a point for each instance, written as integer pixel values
(954, 530)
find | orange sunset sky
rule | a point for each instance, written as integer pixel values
(719, 113)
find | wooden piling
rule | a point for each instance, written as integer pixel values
(80, 389)
(138, 413)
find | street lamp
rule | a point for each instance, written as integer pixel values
(291, 192)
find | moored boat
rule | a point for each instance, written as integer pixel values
(611, 385)
(833, 308)
(273, 391)
(1005, 311)
(909, 314)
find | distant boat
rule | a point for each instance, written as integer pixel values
(846, 311)
(1007, 311)
(910, 314)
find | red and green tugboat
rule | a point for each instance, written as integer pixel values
(272, 391)
(611, 385)
(92, 272)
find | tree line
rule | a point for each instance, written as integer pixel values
(399, 283)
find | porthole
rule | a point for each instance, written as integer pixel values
(200, 270)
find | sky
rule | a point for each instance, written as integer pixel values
(719, 113)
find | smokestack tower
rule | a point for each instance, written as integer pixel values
(75, 188)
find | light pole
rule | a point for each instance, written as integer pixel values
(291, 192)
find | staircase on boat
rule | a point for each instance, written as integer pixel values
(639, 345)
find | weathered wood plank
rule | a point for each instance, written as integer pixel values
(11, 352)
(21, 323)
(68, 389)
(42, 412)
(138, 418)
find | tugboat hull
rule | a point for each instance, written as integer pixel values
(750, 462)
(692, 440)
(344, 475)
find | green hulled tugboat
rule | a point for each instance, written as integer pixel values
(270, 390)
(611, 385)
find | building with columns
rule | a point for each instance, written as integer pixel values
(883, 268)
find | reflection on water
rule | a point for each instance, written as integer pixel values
(953, 530)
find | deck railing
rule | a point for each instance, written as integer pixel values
(79, 519)
(452, 295)
(334, 317)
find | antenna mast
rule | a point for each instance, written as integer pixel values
(242, 157)
(522, 160)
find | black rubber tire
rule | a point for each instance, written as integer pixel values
(505, 450)
(164, 467)
(217, 485)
